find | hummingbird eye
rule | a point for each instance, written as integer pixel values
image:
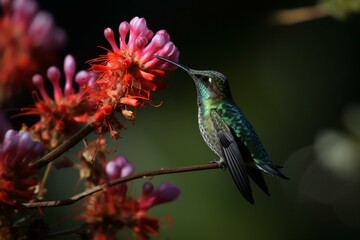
(204, 78)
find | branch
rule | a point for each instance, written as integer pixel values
(77, 137)
(113, 182)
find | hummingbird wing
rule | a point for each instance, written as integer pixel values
(249, 143)
(233, 156)
(236, 129)
(254, 173)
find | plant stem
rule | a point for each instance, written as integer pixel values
(77, 137)
(113, 182)
(44, 180)
(75, 231)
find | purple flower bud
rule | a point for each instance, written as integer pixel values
(10, 141)
(148, 188)
(116, 168)
(119, 167)
(166, 192)
(19, 148)
(16, 152)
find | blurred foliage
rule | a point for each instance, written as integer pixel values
(340, 9)
(339, 150)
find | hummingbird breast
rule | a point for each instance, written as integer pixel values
(208, 132)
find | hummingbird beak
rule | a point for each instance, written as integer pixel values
(190, 71)
(174, 63)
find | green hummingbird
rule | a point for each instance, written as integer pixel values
(228, 133)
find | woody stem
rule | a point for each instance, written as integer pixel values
(72, 141)
(145, 174)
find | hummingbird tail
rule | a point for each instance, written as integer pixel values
(254, 173)
(273, 171)
(258, 178)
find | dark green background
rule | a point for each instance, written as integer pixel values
(290, 81)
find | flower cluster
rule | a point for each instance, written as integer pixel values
(61, 114)
(17, 176)
(28, 41)
(107, 213)
(127, 72)
(114, 87)
(125, 78)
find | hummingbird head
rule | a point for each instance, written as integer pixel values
(209, 84)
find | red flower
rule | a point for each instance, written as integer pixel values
(28, 40)
(17, 176)
(128, 72)
(60, 116)
(143, 225)
(113, 210)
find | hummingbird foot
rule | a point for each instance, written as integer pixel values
(221, 164)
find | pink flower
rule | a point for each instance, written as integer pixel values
(17, 176)
(28, 40)
(128, 73)
(61, 114)
(142, 45)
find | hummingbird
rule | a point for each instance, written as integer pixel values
(228, 133)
